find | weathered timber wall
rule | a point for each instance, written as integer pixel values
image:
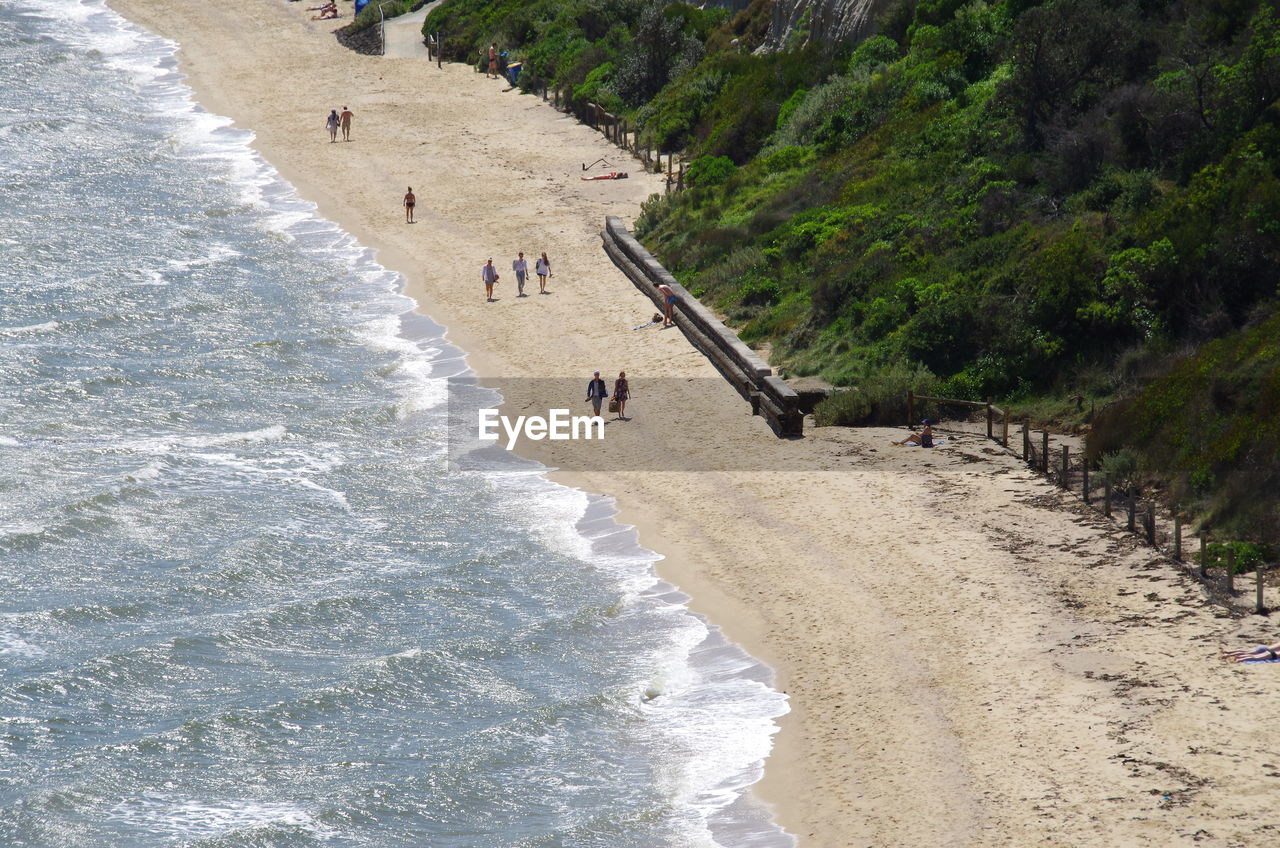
(741, 366)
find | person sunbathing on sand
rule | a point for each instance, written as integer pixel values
(924, 438)
(1262, 652)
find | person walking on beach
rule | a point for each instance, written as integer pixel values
(543, 267)
(668, 305)
(409, 202)
(346, 117)
(489, 275)
(621, 391)
(493, 61)
(332, 125)
(597, 391)
(521, 267)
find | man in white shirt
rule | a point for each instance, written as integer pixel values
(521, 267)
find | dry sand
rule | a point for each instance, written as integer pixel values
(972, 659)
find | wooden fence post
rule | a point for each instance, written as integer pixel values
(1084, 487)
(1132, 502)
(1106, 495)
(1204, 554)
(1231, 569)
(1065, 482)
(669, 157)
(1151, 523)
(990, 421)
(1177, 538)
(1026, 442)
(1004, 433)
(439, 49)
(1257, 606)
(1044, 456)
(680, 177)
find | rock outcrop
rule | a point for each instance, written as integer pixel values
(821, 20)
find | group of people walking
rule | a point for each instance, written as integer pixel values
(597, 391)
(520, 265)
(339, 121)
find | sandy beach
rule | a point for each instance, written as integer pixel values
(972, 657)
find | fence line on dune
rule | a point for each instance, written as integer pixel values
(1164, 531)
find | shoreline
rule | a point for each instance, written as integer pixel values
(455, 336)
(945, 625)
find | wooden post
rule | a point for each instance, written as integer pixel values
(439, 49)
(911, 407)
(1084, 487)
(680, 177)
(1257, 606)
(1151, 523)
(990, 421)
(1026, 442)
(1044, 455)
(1004, 432)
(669, 157)
(1177, 538)
(1231, 569)
(1204, 554)
(1131, 508)
(1106, 495)
(1065, 482)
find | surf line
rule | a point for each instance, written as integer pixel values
(559, 425)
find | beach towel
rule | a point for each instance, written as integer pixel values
(1254, 662)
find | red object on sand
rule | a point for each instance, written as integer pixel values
(612, 175)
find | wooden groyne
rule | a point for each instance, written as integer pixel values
(768, 395)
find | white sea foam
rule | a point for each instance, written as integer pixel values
(11, 644)
(190, 818)
(9, 442)
(166, 445)
(47, 326)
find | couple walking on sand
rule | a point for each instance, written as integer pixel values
(597, 391)
(489, 275)
(335, 122)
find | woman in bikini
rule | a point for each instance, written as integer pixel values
(331, 124)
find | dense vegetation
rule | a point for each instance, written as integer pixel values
(1016, 198)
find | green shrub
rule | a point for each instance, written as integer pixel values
(880, 397)
(710, 170)
(1121, 466)
(1248, 555)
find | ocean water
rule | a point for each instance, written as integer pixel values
(243, 599)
